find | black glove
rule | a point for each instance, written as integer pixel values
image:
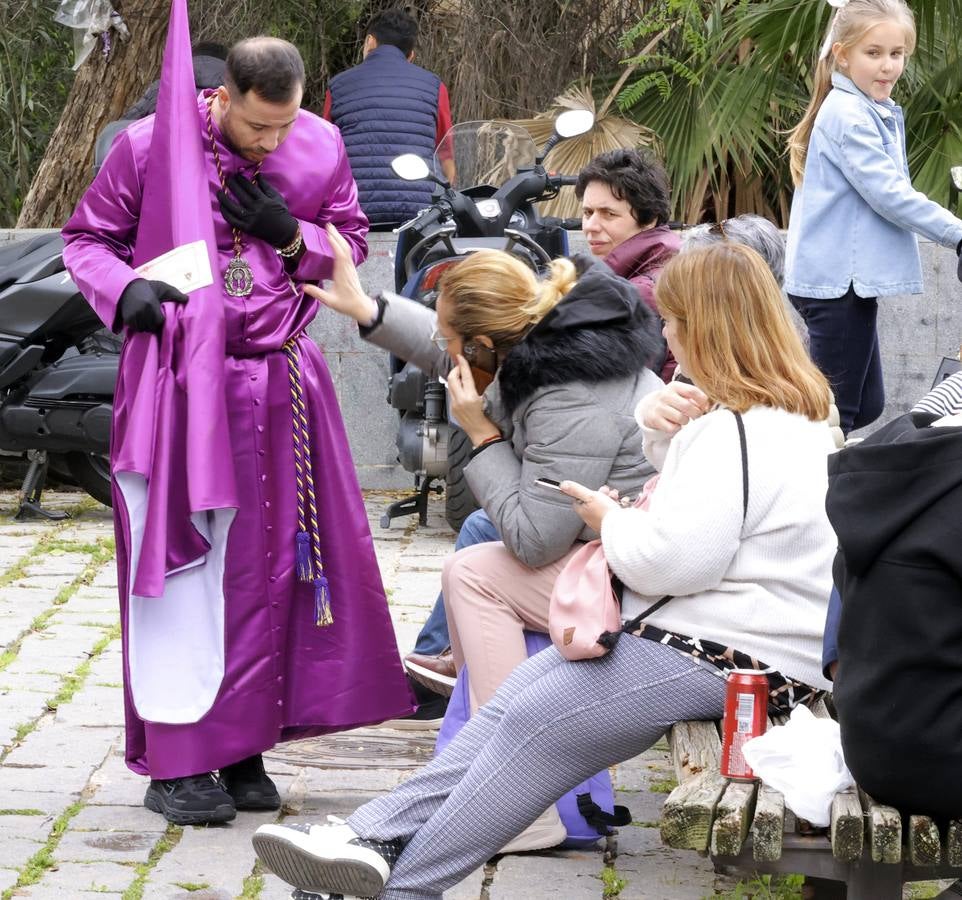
(140, 304)
(259, 210)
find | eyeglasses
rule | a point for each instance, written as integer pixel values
(439, 340)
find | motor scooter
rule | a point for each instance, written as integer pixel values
(58, 370)
(498, 211)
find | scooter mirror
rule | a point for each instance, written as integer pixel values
(410, 167)
(956, 173)
(574, 122)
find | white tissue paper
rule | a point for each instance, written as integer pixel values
(803, 760)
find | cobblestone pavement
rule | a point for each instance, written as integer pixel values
(72, 824)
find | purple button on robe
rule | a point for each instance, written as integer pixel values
(248, 639)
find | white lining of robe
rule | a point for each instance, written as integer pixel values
(175, 643)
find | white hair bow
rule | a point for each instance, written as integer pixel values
(827, 44)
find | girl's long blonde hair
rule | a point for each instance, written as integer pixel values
(495, 294)
(739, 343)
(849, 25)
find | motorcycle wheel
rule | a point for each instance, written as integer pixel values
(92, 472)
(459, 502)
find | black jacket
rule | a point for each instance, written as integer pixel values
(599, 331)
(895, 502)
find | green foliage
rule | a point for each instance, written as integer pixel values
(612, 885)
(766, 887)
(730, 77)
(35, 58)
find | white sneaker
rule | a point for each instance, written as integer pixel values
(546, 831)
(326, 858)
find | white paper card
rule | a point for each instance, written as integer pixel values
(186, 267)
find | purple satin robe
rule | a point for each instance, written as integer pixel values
(284, 677)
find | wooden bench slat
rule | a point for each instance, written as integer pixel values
(884, 830)
(767, 825)
(848, 826)
(953, 843)
(925, 848)
(733, 816)
(689, 811)
(695, 748)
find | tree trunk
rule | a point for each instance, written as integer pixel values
(103, 88)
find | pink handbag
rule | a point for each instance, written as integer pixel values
(583, 605)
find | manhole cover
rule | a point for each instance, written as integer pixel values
(358, 750)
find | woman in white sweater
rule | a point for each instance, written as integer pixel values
(749, 579)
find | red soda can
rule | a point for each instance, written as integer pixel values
(746, 716)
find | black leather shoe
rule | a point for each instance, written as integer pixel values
(248, 784)
(194, 800)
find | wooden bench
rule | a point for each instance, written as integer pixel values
(745, 826)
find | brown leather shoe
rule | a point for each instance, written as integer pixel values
(435, 672)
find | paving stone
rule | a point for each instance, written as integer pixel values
(118, 846)
(52, 802)
(113, 784)
(656, 872)
(50, 583)
(93, 878)
(15, 851)
(117, 818)
(220, 857)
(70, 746)
(34, 828)
(68, 565)
(419, 589)
(8, 878)
(34, 682)
(572, 874)
(97, 707)
(67, 780)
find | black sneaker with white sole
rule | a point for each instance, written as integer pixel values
(194, 800)
(326, 858)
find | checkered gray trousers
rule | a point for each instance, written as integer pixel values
(549, 727)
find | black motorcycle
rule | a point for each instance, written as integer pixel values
(58, 370)
(497, 212)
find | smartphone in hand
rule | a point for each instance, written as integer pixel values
(549, 483)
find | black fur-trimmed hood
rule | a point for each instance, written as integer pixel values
(601, 330)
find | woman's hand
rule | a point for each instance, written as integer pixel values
(676, 404)
(345, 294)
(467, 405)
(591, 505)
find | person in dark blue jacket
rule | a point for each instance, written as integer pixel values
(387, 106)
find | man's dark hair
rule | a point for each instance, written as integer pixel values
(396, 27)
(636, 177)
(268, 66)
(210, 48)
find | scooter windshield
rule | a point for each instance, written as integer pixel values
(484, 152)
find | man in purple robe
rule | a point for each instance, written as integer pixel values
(251, 602)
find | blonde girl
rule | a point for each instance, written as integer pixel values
(855, 215)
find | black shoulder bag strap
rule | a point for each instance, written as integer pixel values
(619, 588)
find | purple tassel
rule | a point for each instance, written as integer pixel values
(302, 557)
(322, 603)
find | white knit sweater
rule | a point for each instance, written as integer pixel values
(761, 586)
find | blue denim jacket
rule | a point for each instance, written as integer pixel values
(855, 216)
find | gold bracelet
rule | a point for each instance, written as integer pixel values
(293, 248)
